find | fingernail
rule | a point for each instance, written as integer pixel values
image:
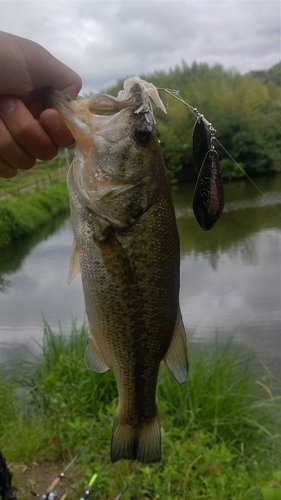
(7, 105)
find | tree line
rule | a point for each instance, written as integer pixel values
(245, 110)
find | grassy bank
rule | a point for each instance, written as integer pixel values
(21, 215)
(42, 173)
(221, 437)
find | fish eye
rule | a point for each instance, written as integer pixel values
(142, 134)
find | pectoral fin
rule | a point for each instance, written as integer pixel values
(115, 259)
(74, 265)
(176, 357)
(93, 358)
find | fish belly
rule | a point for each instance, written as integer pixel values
(131, 287)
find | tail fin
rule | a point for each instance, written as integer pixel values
(136, 443)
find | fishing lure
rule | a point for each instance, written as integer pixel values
(208, 198)
(200, 143)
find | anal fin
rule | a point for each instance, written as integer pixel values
(93, 358)
(74, 265)
(176, 356)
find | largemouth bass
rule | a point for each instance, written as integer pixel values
(126, 246)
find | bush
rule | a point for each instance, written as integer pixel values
(231, 170)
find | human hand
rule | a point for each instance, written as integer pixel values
(28, 129)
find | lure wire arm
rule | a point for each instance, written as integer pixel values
(195, 111)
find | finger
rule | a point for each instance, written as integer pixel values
(26, 130)
(47, 71)
(11, 153)
(52, 121)
(57, 75)
(6, 170)
(31, 67)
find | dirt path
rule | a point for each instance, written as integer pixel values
(37, 476)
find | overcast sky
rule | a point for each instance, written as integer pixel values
(107, 40)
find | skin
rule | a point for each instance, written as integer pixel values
(29, 130)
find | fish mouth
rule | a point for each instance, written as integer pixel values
(106, 105)
(113, 118)
(137, 95)
(53, 97)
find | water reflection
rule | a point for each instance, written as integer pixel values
(246, 212)
(233, 293)
(230, 276)
(38, 289)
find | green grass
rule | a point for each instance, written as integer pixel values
(220, 431)
(22, 211)
(21, 215)
(41, 171)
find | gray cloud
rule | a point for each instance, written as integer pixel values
(107, 40)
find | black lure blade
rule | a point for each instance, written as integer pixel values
(208, 198)
(200, 144)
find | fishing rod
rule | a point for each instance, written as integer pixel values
(122, 491)
(92, 481)
(50, 493)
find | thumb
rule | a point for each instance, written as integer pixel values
(47, 71)
(26, 67)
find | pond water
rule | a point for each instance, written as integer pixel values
(230, 276)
